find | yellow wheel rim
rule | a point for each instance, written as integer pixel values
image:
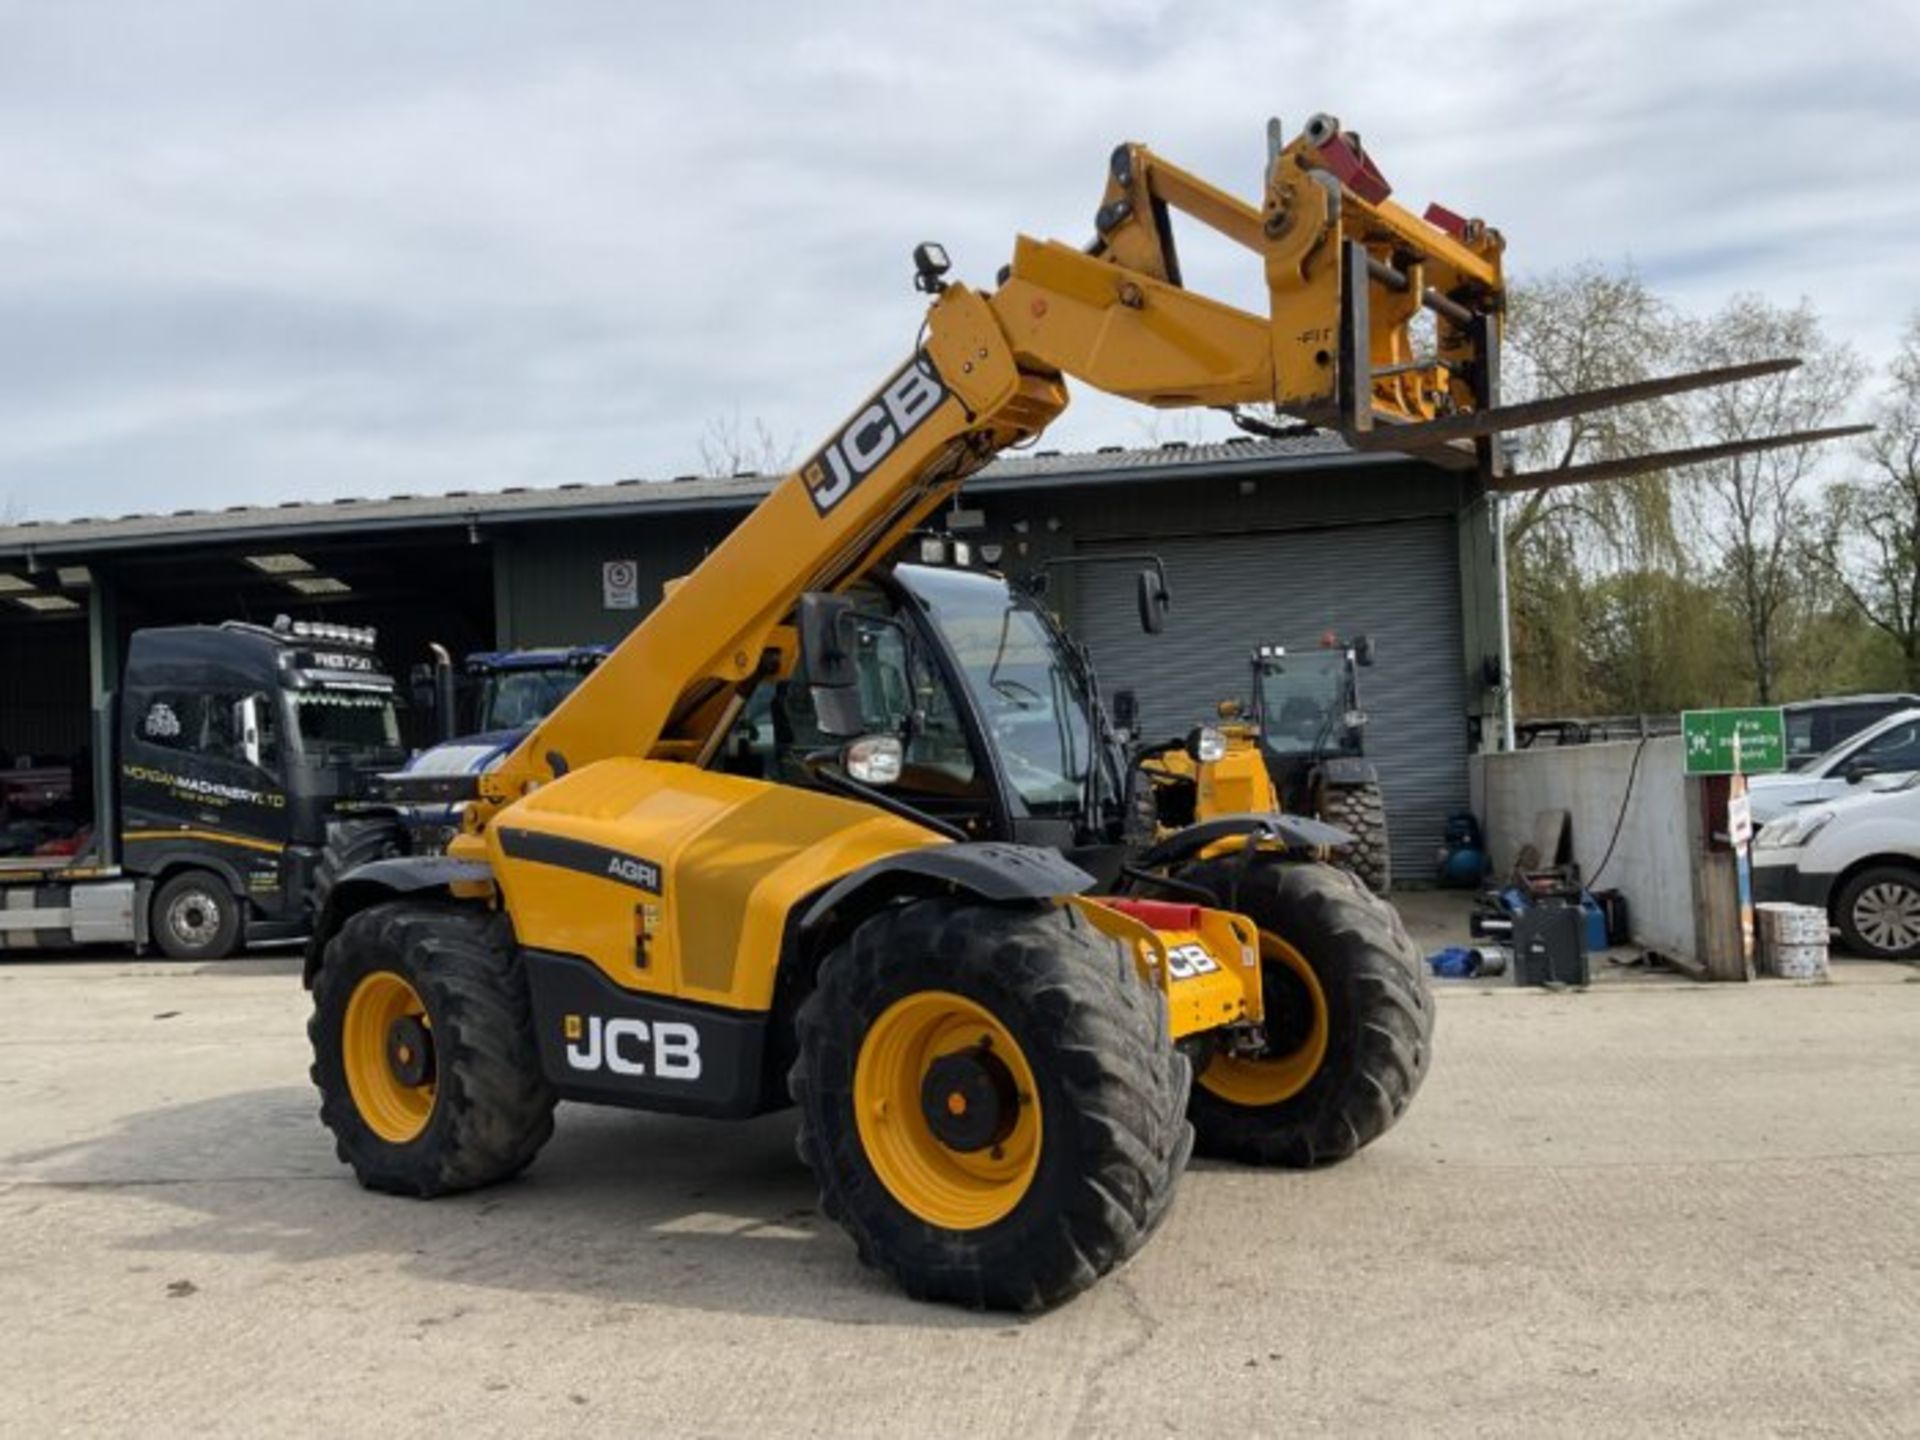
(1269, 1079)
(956, 1189)
(376, 1045)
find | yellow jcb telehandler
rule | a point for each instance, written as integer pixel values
(855, 834)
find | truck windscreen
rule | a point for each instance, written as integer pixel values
(356, 721)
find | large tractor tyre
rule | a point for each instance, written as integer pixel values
(1349, 1019)
(423, 1050)
(196, 916)
(990, 1101)
(351, 844)
(1361, 810)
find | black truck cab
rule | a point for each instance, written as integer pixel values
(234, 745)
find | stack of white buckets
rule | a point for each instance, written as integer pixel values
(1793, 940)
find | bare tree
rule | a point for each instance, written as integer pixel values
(731, 446)
(1567, 332)
(1584, 329)
(1754, 515)
(1872, 539)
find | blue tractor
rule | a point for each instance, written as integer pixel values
(505, 693)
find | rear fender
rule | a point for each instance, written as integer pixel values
(994, 871)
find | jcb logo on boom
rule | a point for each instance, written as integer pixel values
(1186, 961)
(874, 433)
(629, 1047)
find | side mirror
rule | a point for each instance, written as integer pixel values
(1857, 769)
(1363, 650)
(826, 652)
(1126, 710)
(420, 687)
(1154, 601)
(874, 759)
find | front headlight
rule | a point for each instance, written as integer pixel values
(1790, 832)
(1206, 745)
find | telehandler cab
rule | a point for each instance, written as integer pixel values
(1297, 747)
(854, 834)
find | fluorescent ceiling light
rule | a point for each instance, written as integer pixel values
(281, 564)
(14, 584)
(74, 577)
(320, 585)
(46, 604)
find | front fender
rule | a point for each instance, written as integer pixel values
(384, 880)
(1291, 830)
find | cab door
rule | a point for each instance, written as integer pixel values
(202, 782)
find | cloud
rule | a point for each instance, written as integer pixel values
(262, 252)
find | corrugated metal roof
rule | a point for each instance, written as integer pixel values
(526, 503)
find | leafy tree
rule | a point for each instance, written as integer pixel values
(1872, 535)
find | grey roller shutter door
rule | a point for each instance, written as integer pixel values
(1397, 581)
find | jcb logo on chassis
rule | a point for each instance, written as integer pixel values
(665, 1049)
(873, 434)
(1186, 961)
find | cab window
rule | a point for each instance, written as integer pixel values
(900, 694)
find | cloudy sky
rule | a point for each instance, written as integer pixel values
(253, 252)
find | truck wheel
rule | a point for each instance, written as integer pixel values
(423, 1050)
(351, 844)
(1879, 913)
(1349, 1019)
(1362, 811)
(196, 916)
(990, 1101)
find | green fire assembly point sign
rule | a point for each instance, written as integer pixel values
(1734, 742)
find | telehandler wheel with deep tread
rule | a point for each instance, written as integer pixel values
(1361, 810)
(1349, 1019)
(351, 844)
(990, 1101)
(423, 1050)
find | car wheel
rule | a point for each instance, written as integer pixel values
(1879, 912)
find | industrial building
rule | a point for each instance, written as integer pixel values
(1265, 542)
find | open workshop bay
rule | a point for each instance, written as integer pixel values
(1649, 1207)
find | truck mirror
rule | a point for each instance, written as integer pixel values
(1363, 650)
(420, 687)
(246, 716)
(1126, 710)
(1154, 601)
(826, 654)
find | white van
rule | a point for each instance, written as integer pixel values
(1858, 858)
(1882, 755)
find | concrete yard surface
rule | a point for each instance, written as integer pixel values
(1641, 1209)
